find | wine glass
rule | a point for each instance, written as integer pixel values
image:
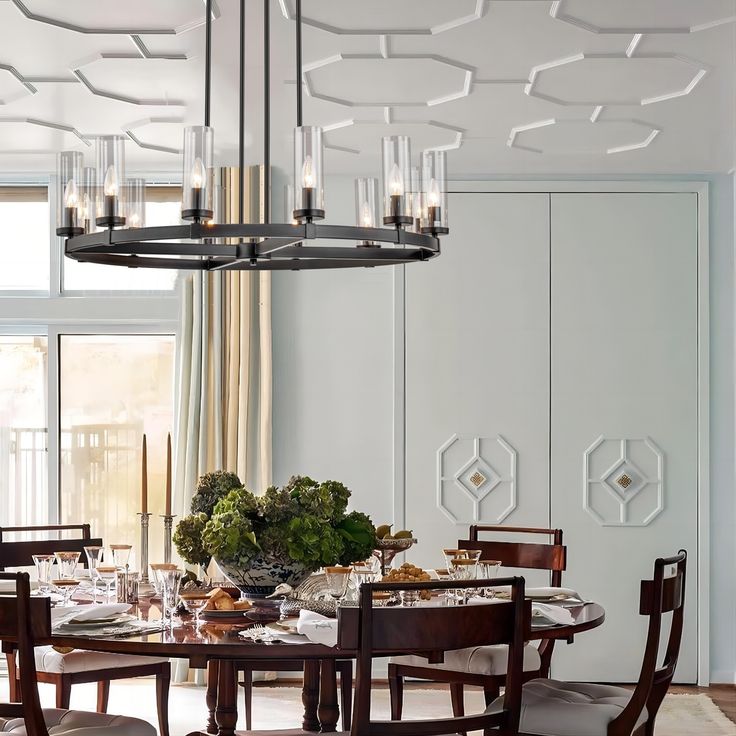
(194, 601)
(106, 574)
(337, 582)
(488, 569)
(121, 554)
(169, 578)
(94, 554)
(43, 570)
(65, 586)
(67, 564)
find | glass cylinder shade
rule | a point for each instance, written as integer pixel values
(366, 204)
(434, 188)
(135, 213)
(69, 184)
(396, 160)
(417, 200)
(197, 178)
(110, 166)
(289, 204)
(309, 196)
(87, 199)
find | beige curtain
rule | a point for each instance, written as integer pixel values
(224, 407)
(224, 365)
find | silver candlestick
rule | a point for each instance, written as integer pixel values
(145, 516)
(168, 526)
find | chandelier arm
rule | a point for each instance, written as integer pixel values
(267, 111)
(298, 63)
(208, 63)
(241, 118)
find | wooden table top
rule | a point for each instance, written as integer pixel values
(221, 640)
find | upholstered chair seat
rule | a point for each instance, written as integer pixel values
(80, 660)
(81, 723)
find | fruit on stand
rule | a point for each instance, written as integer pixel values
(409, 573)
(404, 534)
(383, 531)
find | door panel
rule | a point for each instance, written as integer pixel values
(477, 373)
(624, 420)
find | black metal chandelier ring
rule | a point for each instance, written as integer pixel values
(273, 246)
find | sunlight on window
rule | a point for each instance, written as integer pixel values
(24, 240)
(114, 388)
(23, 454)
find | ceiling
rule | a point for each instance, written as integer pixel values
(509, 87)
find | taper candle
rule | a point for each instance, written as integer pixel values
(144, 477)
(168, 475)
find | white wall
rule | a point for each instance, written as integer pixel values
(333, 391)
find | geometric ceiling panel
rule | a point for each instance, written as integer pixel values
(131, 16)
(351, 135)
(136, 80)
(30, 136)
(12, 85)
(360, 80)
(615, 79)
(156, 134)
(408, 17)
(583, 136)
(651, 16)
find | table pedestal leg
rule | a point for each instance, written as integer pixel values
(226, 713)
(310, 695)
(329, 710)
(213, 671)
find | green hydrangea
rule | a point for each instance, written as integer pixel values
(328, 500)
(313, 543)
(211, 487)
(188, 539)
(229, 536)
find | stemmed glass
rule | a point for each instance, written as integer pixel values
(194, 601)
(94, 554)
(463, 568)
(120, 555)
(488, 570)
(337, 582)
(169, 578)
(106, 574)
(67, 563)
(43, 569)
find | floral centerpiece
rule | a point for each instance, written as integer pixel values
(281, 536)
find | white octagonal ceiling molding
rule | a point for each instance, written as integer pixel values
(136, 80)
(398, 81)
(582, 136)
(157, 134)
(407, 17)
(82, 16)
(651, 16)
(350, 135)
(615, 79)
(12, 85)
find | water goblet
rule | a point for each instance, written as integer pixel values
(121, 554)
(488, 569)
(65, 586)
(67, 563)
(169, 578)
(94, 555)
(106, 574)
(463, 568)
(43, 570)
(337, 582)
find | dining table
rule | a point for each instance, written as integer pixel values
(219, 646)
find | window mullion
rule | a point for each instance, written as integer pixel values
(54, 426)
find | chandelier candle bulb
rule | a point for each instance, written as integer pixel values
(136, 201)
(434, 186)
(366, 206)
(308, 174)
(197, 201)
(87, 199)
(110, 165)
(69, 178)
(396, 160)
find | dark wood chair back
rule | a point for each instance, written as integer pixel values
(20, 553)
(658, 596)
(551, 555)
(425, 628)
(24, 620)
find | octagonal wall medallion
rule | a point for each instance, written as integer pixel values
(623, 481)
(476, 479)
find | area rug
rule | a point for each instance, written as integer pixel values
(280, 707)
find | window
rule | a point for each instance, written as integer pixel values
(115, 388)
(23, 447)
(24, 240)
(163, 207)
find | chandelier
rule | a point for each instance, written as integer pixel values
(102, 214)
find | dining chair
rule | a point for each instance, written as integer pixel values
(432, 629)
(64, 668)
(24, 620)
(569, 708)
(486, 666)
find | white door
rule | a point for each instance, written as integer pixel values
(477, 373)
(624, 416)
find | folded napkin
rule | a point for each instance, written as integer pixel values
(78, 614)
(545, 615)
(317, 628)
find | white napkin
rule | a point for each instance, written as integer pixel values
(317, 628)
(65, 614)
(543, 614)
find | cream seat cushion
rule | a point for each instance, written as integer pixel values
(80, 660)
(553, 708)
(489, 660)
(82, 723)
